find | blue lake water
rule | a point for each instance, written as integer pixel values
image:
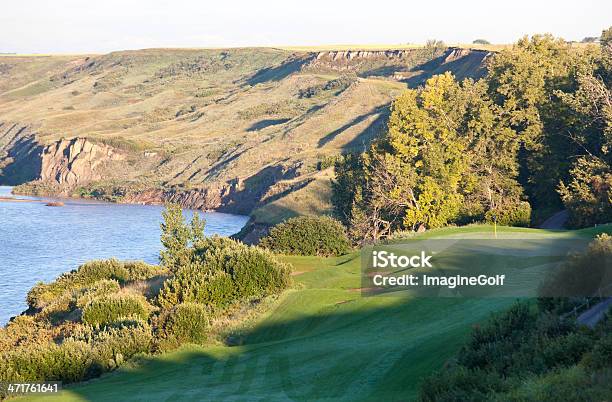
(38, 243)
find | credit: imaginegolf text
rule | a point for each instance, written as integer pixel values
(474, 268)
(386, 259)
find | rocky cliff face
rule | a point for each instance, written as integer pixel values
(410, 65)
(62, 164)
(348, 55)
(66, 165)
(70, 162)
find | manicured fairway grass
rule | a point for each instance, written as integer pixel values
(321, 341)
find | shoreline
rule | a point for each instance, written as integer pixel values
(102, 200)
(50, 198)
(13, 199)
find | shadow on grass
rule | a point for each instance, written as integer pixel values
(260, 125)
(322, 342)
(366, 135)
(470, 65)
(24, 161)
(277, 73)
(348, 349)
(244, 200)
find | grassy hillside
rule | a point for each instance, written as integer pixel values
(247, 125)
(320, 341)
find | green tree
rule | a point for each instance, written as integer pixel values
(178, 237)
(424, 136)
(587, 189)
(522, 82)
(588, 196)
(448, 156)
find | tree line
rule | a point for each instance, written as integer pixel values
(532, 137)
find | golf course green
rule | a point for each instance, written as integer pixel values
(321, 340)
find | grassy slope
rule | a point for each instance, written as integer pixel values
(191, 118)
(197, 118)
(321, 341)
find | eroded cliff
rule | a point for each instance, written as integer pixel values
(77, 161)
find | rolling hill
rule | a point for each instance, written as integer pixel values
(238, 130)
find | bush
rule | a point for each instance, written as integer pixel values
(69, 362)
(78, 358)
(225, 275)
(195, 283)
(329, 161)
(524, 354)
(104, 287)
(571, 384)
(184, 323)
(308, 235)
(459, 384)
(59, 307)
(24, 330)
(86, 275)
(256, 273)
(111, 308)
(115, 344)
(213, 251)
(337, 84)
(516, 214)
(140, 271)
(601, 355)
(582, 274)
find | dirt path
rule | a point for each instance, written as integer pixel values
(556, 221)
(593, 315)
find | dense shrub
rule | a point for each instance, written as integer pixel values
(328, 161)
(601, 355)
(308, 235)
(99, 289)
(195, 283)
(457, 383)
(59, 307)
(517, 214)
(582, 274)
(115, 344)
(111, 308)
(86, 275)
(184, 323)
(257, 273)
(571, 384)
(69, 362)
(213, 251)
(337, 84)
(24, 330)
(527, 354)
(83, 356)
(470, 212)
(139, 270)
(226, 273)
